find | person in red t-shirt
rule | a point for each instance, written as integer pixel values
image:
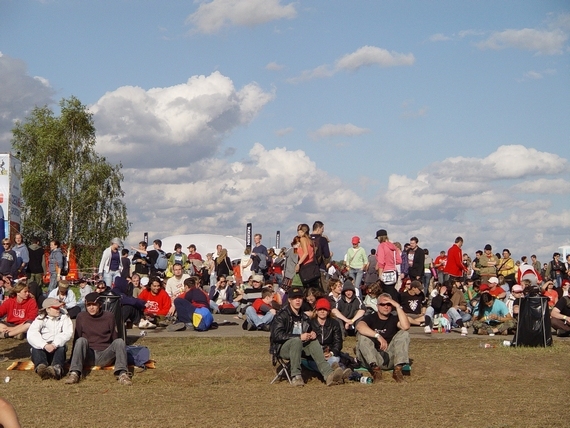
(454, 265)
(494, 289)
(157, 300)
(439, 264)
(261, 313)
(19, 310)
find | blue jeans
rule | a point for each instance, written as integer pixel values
(55, 358)
(357, 275)
(453, 314)
(313, 366)
(258, 319)
(110, 276)
(427, 278)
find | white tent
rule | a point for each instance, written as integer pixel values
(205, 243)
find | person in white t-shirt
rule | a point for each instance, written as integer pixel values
(175, 285)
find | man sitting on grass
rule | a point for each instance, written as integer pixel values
(291, 336)
(96, 342)
(383, 340)
(186, 304)
(261, 313)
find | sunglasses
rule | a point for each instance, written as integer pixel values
(384, 304)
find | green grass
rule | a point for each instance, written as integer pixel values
(224, 382)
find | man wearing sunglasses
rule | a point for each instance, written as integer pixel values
(383, 340)
(8, 260)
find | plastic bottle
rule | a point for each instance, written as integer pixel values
(366, 379)
(486, 345)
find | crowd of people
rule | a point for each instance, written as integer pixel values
(307, 302)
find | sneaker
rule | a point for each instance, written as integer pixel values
(179, 326)
(335, 377)
(297, 381)
(144, 324)
(51, 372)
(397, 374)
(72, 378)
(58, 371)
(250, 326)
(264, 327)
(464, 331)
(42, 371)
(125, 379)
(427, 329)
(491, 334)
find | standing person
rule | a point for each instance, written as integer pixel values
(55, 264)
(8, 260)
(110, 265)
(260, 256)
(210, 265)
(416, 260)
(195, 259)
(387, 258)
(357, 262)
(223, 264)
(96, 342)
(507, 267)
(37, 265)
(372, 270)
(158, 263)
(428, 268)
(48, 336)
(555, 270)
(454, 266)
(439, 264)
(476, 265)
(125, 264)
(245, 264)
(178, 256)
(141, 260)
(306, 252)
(21, 253)
(323, 251)
(489, 263)
(535, 263)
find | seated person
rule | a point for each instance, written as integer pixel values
(132, 309)
(412, 300)
(96, 342)
(220, 294)
(514, 299)
(335, 287)
(495, 290)
(251, 291)
(328, 334)
(291, 336)
(67, 297)
(442, 304)
(492, 316)
(84, 290)
(175, 284)
(20, 311)
(560, 317)
(459, 303)
(371, 298)
(383, 340)
(158, 302)
(349, 309)
(187, 303)
(136, 282)
(471, 293)
(48, 336)
(549, 291)
(261, 313)
(312, 294)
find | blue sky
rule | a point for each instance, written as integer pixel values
(432, 119)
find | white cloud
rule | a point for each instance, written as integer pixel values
(439, 37)
(490, 199)
(362, 57)
(541, 41)
(174, 125)
(330, 130)
(372, 55)
(536, 75)
(271, 188)
(213, 16)
(273, 66)
(468, 33)
(284, 131)
(20, 93)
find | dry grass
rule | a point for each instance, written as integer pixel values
(225, 382)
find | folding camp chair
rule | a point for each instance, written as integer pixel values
(282, 369)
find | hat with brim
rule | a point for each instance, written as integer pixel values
(52, 303)
(296, 292)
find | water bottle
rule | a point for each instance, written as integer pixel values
(366, 379)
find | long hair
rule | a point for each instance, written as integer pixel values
(485, 298)
(17, 288)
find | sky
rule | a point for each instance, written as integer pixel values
(425, 118)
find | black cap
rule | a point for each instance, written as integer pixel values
(381, 232)
(92, 298)
(296, 292)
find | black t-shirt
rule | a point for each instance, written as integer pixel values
(387, 328)
(563, 306)
(349, 309)
(411, 304)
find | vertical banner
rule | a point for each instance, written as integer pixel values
(145, 237)
(4, 196)
(278, 240)
(15, 201)
(248, 235)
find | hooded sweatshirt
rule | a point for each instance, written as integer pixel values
(388, 256)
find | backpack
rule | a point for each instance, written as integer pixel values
(202, 319)
(161, 261)
(64, 269)
(137, 355)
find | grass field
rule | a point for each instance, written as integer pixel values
(224, 382)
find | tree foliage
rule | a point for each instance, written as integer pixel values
(69, 192)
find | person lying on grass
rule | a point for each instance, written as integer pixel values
(48, 336)
(96, 342)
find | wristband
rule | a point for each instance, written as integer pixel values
(377, 335)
